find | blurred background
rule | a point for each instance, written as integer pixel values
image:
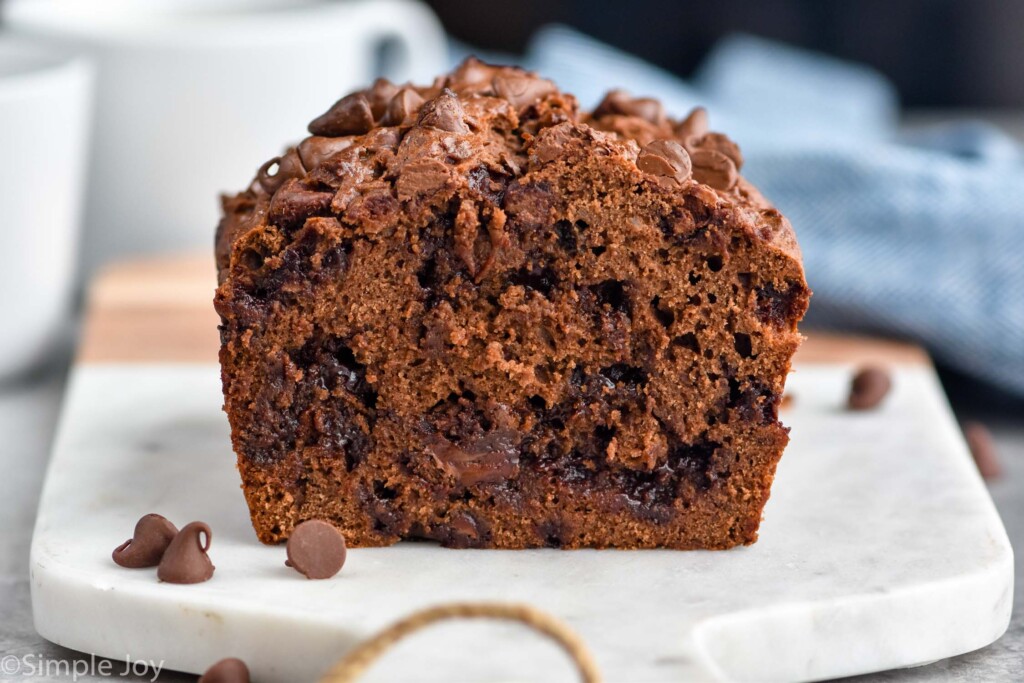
(937, 53)
(889, 133)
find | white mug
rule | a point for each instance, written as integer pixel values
(44, 126)
(193, 96)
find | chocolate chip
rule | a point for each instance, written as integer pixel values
(289, 166)
(293, 203)
(714, 169)
(317, 549)
(488, 459)
(422, 178)
(471, 72)
(153, 533)
(719, 143)
(379, 95)
(983, 449)
(666, 160)
(230, 670)
(618, 102)
(351, 115)
(522, 90)
(185, 560)
(694, 125)
(444, 112)
(403, 105)
(315, 149)
(868, 388)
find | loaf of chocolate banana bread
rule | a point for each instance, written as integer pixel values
(470, 312)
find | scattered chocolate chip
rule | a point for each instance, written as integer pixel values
(403, 105)
(153, 533)
(379, 95)
(185, 560)
(522, 90)
(444, 112)
(714, 169)
(983, 449)
(230, 670)
(868, 388)
(694, 125)
(315, 149)
(317, 549)
(665, 159)
(351, 115)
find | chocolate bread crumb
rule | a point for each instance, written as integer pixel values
(468, 312)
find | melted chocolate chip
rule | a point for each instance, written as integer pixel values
(488, 459)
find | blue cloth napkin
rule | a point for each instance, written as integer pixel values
(916, 235)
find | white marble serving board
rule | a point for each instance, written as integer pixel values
(880, 548)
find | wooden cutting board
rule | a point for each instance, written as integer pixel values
(880, 547)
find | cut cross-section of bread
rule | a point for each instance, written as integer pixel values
(470, 313)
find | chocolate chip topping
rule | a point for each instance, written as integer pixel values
(666, 160)
(718, 143)
(351, 115)
(522, 90)
(379, 95)
(185, 560)
(714, 169)
(444, 112)
(287, 167)
(620, 103)
(402, 106)
(869, 386)
(316, 549)
(695, 125)
(230, 670)
(153, 533)
(983, 449)
(315, 149)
